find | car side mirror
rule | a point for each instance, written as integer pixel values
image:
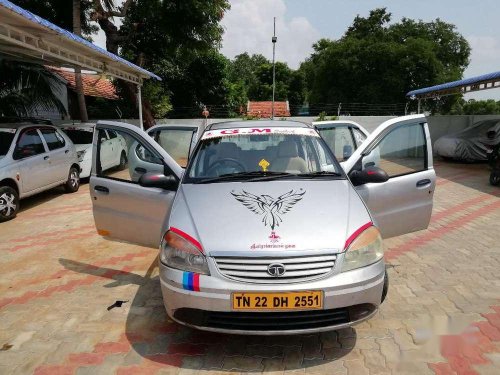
(367, 175)
(159, 180)
(347, 152)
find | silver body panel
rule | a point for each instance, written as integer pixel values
(317, 227)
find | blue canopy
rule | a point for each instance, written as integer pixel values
(459, 86)
(28, 36)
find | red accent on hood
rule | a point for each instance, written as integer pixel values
(356, 233)
(187, 237)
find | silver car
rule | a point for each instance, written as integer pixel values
(264, 232)
(34, 158)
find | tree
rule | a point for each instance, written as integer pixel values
(378, 62)
(26, 88)
(475, 107)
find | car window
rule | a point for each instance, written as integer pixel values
(6, 138)
(359, 136)
(52, 138)
(286, 150)
(80, 136)
(29, 144)
(129, 163)
(177, 142)
(340, 141)
(401, 151)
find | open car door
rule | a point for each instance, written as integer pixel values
(122, 208)
(402, 148)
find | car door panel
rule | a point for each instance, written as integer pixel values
(58, 155)
(122, 208)
(402, 147)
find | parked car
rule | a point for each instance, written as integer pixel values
(34, 158)
(342, 137)
(114, 148)
(265, 232)
(470, 144)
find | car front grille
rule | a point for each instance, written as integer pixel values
(254, 269)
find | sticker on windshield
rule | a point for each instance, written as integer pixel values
(259, 131)
(264, 164)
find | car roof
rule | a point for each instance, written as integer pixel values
(258, 123)
(327, 123)
(24, 120)
(180, 125)
(20, 125)
(78, 125)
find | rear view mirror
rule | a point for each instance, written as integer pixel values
(158, 180)
(367, 175)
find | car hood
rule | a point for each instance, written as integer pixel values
(269, 216)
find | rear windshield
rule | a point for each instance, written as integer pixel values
(80, 136)
(6, 138)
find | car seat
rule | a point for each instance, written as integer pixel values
(288, 159)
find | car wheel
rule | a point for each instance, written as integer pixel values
(495, 178)
(9, 203)
(123, 161)
(73, 182)
(386, 287)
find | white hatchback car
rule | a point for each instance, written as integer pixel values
(113, 149)
(34, 158)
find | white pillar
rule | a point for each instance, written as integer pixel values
(139, 102)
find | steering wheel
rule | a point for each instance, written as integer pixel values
(223, 162)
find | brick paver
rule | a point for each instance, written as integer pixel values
(442, 314)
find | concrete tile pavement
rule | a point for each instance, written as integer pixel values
(442, 314)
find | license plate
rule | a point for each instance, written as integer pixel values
(311, 300)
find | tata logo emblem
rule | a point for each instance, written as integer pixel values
(276, 269)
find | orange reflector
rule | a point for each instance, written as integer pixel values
(103, 232)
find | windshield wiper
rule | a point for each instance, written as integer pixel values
(241, 176)
(297, 175)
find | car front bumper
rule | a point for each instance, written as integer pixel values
(349, 298)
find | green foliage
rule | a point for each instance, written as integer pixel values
(26, 88)
(321, 116)
(160, 104)
(378, 62)
(475, 107)
(60, 12)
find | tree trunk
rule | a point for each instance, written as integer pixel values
(77, 29)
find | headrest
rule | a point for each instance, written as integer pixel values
(227, 150)
(287, 149)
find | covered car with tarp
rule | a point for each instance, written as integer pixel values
(470, 144)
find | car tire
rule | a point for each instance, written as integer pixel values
(495, 178)
(73, 183)
(123, 161)
(386, 287)
(9, 203)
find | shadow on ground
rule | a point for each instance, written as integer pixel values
(155, 337)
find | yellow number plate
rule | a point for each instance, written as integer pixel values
(278, 301)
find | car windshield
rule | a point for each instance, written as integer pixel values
(80, 136)
(6, 138)
(254, 153)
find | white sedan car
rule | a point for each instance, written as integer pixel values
(113, 147)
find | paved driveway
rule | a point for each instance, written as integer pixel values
(59, 280)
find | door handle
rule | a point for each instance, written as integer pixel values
(140, 170)
(423, 182)
(102, 189)
(46, 157)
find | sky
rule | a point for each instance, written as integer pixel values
(248, 27)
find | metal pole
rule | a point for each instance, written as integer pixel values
(274, 39)
(418, 110)
(139, 102)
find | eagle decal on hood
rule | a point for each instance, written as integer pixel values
(270, 208)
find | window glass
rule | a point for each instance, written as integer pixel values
(340, 141)
(6, 138)
(177, 143)
(112, 134)
(80, 136)
(359, 137)
(127, 159)
(402, 151)
(29, 144)
(53, 139)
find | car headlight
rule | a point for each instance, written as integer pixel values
(178, 252)
(364, 250)
(80, 155)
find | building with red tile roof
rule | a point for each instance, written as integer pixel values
(264, 109)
